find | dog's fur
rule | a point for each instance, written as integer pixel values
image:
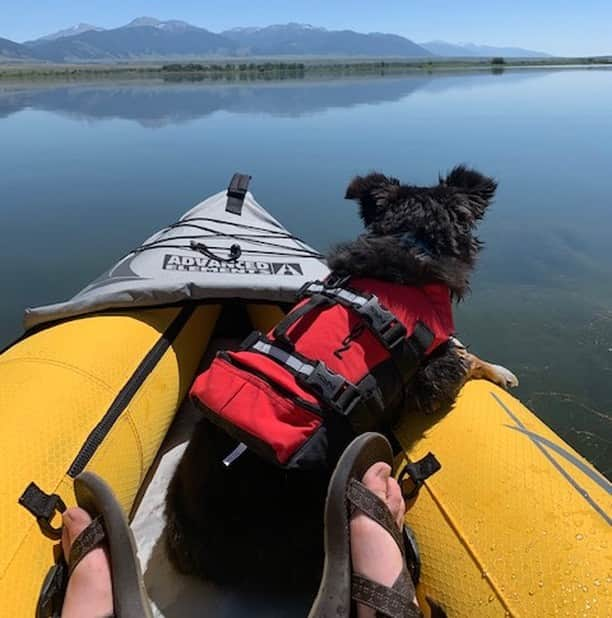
(255, 525)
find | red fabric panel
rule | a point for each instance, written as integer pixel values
(274, 372)
(431, 304)
(253, 406)
(321, 333)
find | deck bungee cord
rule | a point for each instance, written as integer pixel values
(235, 250)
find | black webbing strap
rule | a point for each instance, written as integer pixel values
(406, 352)
(412, 351)
(236, 192)
(382, 322)
(280, 331)
(332, 389)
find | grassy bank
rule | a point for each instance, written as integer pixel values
(277, 70)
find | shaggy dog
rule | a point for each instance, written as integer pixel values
(253, 525)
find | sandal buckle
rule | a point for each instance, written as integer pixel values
(51, 598)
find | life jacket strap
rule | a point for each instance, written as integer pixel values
(407, 352)
(382, 322)
(280, 331)
(332, 389)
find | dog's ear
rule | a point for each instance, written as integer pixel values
(372, 193)
(478, 188)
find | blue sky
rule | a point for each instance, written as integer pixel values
(579, 27)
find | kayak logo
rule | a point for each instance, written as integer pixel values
(240, 267)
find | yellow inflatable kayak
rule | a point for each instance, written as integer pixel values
(515, 524)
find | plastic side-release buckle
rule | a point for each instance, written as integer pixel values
(43, 506)
(390, 330)
(334, 390)
(414, 474)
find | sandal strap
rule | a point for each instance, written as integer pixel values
(89, 539)
(371, 505)
(386, 601)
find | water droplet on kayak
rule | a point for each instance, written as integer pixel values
(491, 598)
(596, 582)
(579, 537)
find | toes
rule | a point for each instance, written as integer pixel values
(89, 591)
(75, 521)
(395, 502)
(376, 479)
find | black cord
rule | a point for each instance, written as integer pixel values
(256, 252)
(235, 251)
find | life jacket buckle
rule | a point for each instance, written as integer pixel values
(390, 330)
(335, 391)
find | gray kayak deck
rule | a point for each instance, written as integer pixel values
(214, 251)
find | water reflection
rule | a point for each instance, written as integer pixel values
(158, 103)
(85, 179)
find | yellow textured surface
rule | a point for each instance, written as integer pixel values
(55, 387)
(502, 531)
(263, 316)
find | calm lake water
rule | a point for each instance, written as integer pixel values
(88, 170)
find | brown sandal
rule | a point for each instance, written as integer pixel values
(340, 587)
(110, 526)
(397, 600)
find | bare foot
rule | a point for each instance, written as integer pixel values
(89, 593)
(374, 553)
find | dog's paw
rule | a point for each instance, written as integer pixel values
(504, 377)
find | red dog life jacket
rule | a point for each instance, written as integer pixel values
(332, 368)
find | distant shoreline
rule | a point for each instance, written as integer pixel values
(207, 70)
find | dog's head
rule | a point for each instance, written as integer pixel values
(438, 220)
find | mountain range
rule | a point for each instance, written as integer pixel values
(147, 38)
(470, 50)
